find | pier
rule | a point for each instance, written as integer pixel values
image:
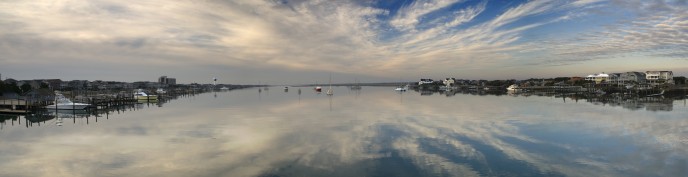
(18, 106)
(99, 99)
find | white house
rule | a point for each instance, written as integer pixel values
(449, 82)
(425, 81)
(632, 77)
(598, 78)
(659, 77)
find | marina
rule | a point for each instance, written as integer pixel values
(88, 99)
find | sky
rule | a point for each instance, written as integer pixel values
(307, 41)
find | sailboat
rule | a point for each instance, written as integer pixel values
(356, 86)
(329, 90)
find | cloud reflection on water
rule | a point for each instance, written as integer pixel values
(376, 133)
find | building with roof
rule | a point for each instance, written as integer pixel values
(449, 82)
(597, 78)
(632, 77)
(659, 77)
(164, 80)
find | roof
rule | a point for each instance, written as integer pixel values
(599, 75)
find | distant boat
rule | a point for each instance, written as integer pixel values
(224, 88)
(141, 95)
(402, 89)
(160, 91)
(64, 103)
(356, 86)
(657, 94)
(317, 88)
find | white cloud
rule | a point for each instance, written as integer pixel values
(653, 32)
(346, 37)
(409, 16)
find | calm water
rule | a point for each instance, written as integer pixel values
(371, 132)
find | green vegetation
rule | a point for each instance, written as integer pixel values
(9, 88)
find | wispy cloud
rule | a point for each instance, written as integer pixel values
(657, 30)
(433, 38)
(409, 16)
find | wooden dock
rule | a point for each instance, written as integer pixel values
(10, 111)
(15, 106)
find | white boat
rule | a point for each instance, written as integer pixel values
(513, 87)
(160, 91)
(402, 89)
(141, 95)
(329, 90)
(64, 103)
(629, 86)
(318, 89)
(224, 88)
(657, 94)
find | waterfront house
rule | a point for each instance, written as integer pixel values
(425, 81)
(597, 78)
(32, 83)
(78, 84)
(53, 83)
(614, 78)
(632, 78)
(659, 77)
(10, 81)
(449, 82)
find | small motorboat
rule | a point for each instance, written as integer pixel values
(61, 102)
(141, 95)
(402, 89)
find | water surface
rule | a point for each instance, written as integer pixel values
(372, 132)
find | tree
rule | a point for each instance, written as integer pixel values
(25, 88)
(561, 79)
(44, 85)
(680, 80)
(2, 87)
(12, 88)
